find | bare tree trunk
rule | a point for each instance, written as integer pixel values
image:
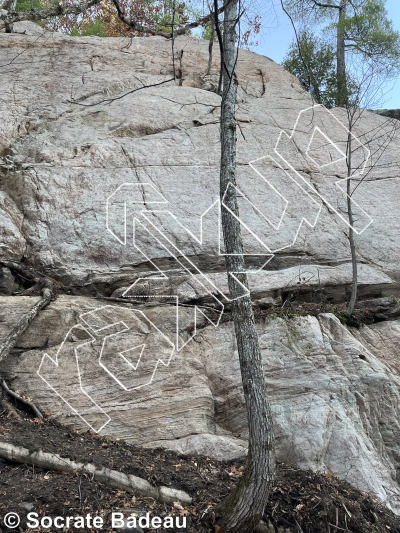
(212, 37)
(11, 9)
(210, 49)
(342, 100)
(353, 297)
(341, 58)
(221, 50)
(243, 509)
(110, 478)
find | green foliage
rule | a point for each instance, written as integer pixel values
(349, 320)
(370, 34)
(90, 28)
(286, 315)
(27, 5)
(312, 60)
(372, 50)
(206, 32)
(184, 11)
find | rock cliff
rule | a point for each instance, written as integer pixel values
(96, 133)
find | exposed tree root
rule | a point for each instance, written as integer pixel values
(22, 399)
(110, 478)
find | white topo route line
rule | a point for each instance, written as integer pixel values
(130, 353)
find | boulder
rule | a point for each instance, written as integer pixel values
(334, 390)
(82, 136)
(389, 113)
(96, 134)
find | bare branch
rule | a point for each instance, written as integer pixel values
(168, 35)
(58, 11)
(325, 5)
(111, 100)
(217, 29)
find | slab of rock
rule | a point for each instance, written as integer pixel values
(63, 158)
(71, 161)
(335, 392)
(389, 113)
(382, 339)
(335, 400)
(219, 447)
(12, 241)
(25, 27)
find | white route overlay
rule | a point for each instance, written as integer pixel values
(133, 368)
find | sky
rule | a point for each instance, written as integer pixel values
(277, 33)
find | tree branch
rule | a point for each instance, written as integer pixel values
(111, 100)
(221, 49)
(168, 35)
(17, 16)
(325, 5)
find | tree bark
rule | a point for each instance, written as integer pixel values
(243, 509)
(353, 297)
(110, 478)
(341, 58)
(342, 100)
(210, 48)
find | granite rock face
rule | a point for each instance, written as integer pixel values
(95, 128)
(390, 113)
(73, 159)
(335, 393)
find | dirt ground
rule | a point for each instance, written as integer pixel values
(301, 501)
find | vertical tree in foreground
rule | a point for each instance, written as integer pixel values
(243, 509)
(367, 51)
